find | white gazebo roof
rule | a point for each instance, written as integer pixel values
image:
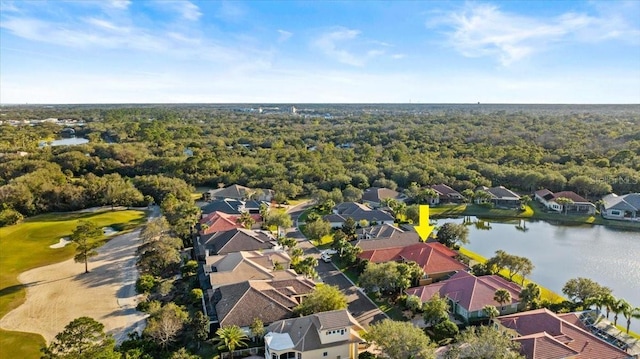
(278, 341)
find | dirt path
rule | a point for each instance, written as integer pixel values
(61, 292)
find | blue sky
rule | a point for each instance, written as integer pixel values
(122, 51)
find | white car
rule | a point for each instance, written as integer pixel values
(329, 251)
(325, 257)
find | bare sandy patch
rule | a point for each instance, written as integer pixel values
(61, 292)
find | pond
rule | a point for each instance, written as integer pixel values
(65, 142)
(560, 252)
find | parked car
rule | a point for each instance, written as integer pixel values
(329, 251)
(325, 257)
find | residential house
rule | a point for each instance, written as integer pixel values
(543, 334)
(468, 294)
(436, 260)
(395, 239)
(216, 222)
(232, 206)
(499, 196)
(332, 334)
(375, 196)
(268, 300)
(234, 240)
(379, 231)
(447, 194)
(625, 207)
(239, 193)
(579, 205)
(360, 213)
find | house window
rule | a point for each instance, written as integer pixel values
(325, 354)
(341, 331)
(274, 356)
(299, 355)
(615, 213)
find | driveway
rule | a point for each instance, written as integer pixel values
(359, 305)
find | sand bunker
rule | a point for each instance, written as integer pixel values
(59, 293)
(63, 242)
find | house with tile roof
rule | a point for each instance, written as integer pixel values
(216, 222)
(234, 240)
(375, 196)
(467, 294)
(359, 212)
(332, 334)
(379, 231)
(436, 260)
(579, 205)
(240, 193)
(543, 334)
(400, 239)
(269, 300)
(499, 196)
(232, 206)
(447, 194)
(625, 207)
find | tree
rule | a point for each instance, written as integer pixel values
(264, 211)
(387, 277)
(564, 202)
(164, 325)
(349, 228)
(287, 243)
(306, 267)
(435, 310)
(85, 236)
(199, 327)
(182, 353)
(530, 294)
(400, 340)
(279, 219)
(82, 338)
(154, 229)
(468, 195)
(619, 306)
(525, 200)
(490, 311)
(633, 313)
(484, 342)
(323, 299)
(413, 303)
(412, 213)
(502, 296)
(579, 289)
(445, 331)
(232, 337)
(452, 233)
(627, 310)
(245, 220)
(317, 229)
(514, 264)
(257, 328)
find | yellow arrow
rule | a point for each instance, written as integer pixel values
(424, 229)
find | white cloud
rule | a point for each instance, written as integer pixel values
(343, 45)
(284, 35)
(119, 4)
(186, 9)
(485, 30)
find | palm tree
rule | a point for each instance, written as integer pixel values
(617, 308)
(502, 296)
(529, 294)
(232, 337)
(635, 313)
(627, 311)
(245, 220)
(468, 195)
(490, 311)
(525, 200)
(607, 301)
(428, 195)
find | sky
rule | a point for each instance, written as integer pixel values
(120, 51)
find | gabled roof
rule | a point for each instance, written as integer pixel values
(433, 258)
(469, 291)
(234, 191)
(227, 205)
(544, 346)
(380, 231)
(571, 195)
(236, 240)
(544, 193)
(446, 191)
(302, 334)
(377, 194)
(219, 221)
(239, 304)
(500, 192)
(398, 240)
(533, 323)
(358, 212)
(627, 202)
(240, 266)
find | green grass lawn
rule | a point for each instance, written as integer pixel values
(26, 246)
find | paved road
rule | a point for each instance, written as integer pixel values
(359, 304)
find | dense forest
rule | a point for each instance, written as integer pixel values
(136, 151)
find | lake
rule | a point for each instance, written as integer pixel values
(560, 252)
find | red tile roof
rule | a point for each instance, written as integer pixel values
(433, 258)
(469, 291)
(220, 221)
(574, 338)
(571, 195)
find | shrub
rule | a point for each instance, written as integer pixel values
(145, 283)
(10, 216)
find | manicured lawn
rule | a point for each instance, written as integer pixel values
(26, 246)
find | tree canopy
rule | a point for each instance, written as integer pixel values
(400, 340)
(323, 299)
(82, 338)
